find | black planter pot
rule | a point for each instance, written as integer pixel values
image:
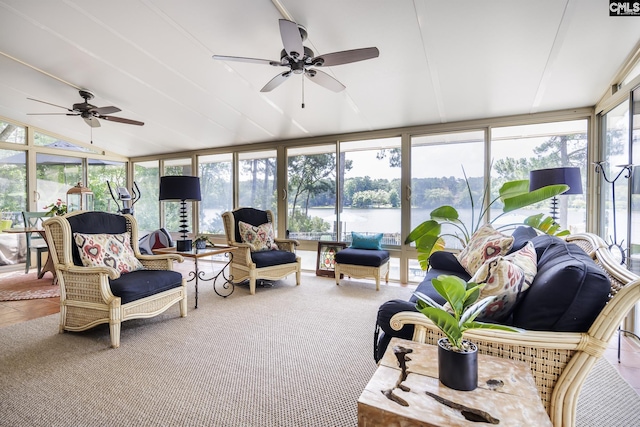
(457, 370)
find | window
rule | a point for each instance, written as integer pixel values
(311, 198)
(615, 152)
(147, 176)
(371, 189)
(517, 150)
(55, 176)
(257, 180)
(13, 185)
(216, 186)
(98, 174)
(12, 133)
(438, 167)
(44, 140)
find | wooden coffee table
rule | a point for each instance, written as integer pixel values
(514, 403)
(198, 275)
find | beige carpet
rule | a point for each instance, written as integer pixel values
(288, 356)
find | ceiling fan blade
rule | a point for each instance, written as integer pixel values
(249, 60)
(276, 81)
(53, 114)
(105, 110)
(345, 56)
(122, 120)
(324, 80)
(48, 103)
(291, 39)
(92, 121)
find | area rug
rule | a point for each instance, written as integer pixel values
(19, 286)
(286, 356)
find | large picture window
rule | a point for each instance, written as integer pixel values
(216, 186)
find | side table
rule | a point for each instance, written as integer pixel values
(506, 392)
(197, 274)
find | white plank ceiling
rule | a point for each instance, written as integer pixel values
(440, 61)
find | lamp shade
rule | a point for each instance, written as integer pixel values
(180, 188)
(552, 176)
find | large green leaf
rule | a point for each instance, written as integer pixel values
(513, 188)
(546, 224)
(428, 227)
(529, 198)
(426, 246)
(443, 320)
(453, 289)
(448, 213)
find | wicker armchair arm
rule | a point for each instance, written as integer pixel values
(287, 244)
(88, 284)
(112, 273)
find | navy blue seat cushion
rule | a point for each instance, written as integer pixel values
(95, 223)
(269, 258)
(143, 283)
(250, 216)
(568, 292)
(363, 257)
(385, 313)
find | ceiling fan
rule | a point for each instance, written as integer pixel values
(301, 60)
(90, 113)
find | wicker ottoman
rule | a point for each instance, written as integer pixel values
(363, 263)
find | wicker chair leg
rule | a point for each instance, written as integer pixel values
(114, 329)
(183, 305)
(378, 280)
(252, 284)
(298, 274)
(336, 272)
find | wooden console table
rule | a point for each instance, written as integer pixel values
(506, 391)
(197, 274)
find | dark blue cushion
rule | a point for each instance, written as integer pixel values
(521, 236)
(427, 288)
(143, 283)
(568, 292)
(385, 313)
(443, 260)
(364, 257)
(269, 258)
(95, 223)
(250, 216)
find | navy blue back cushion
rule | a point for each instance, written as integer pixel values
(250, 216)
(95, 223)
(568, 292)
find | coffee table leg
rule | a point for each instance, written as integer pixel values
(194, 275)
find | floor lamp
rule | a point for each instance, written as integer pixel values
(181, 188)
(566, 175)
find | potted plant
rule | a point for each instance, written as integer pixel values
(57, 208)
(429, 237)
(457, 357)
(202, 241)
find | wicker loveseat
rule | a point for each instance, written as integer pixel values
(93, 295)
(560, 361)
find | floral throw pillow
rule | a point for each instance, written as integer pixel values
(505, 278)
(258, 237)
(484, 244)
(107, 250)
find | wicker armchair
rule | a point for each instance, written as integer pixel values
(560, 361)
(268, 265)
(87, 294)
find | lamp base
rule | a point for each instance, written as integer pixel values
(183, 245)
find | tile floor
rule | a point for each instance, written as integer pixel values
(12, 312)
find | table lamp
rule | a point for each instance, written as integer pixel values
(552, 176)
(181, 188)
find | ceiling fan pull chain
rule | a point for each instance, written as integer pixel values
(302, 91)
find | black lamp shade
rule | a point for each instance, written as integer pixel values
(180, 188)
(567, 175)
